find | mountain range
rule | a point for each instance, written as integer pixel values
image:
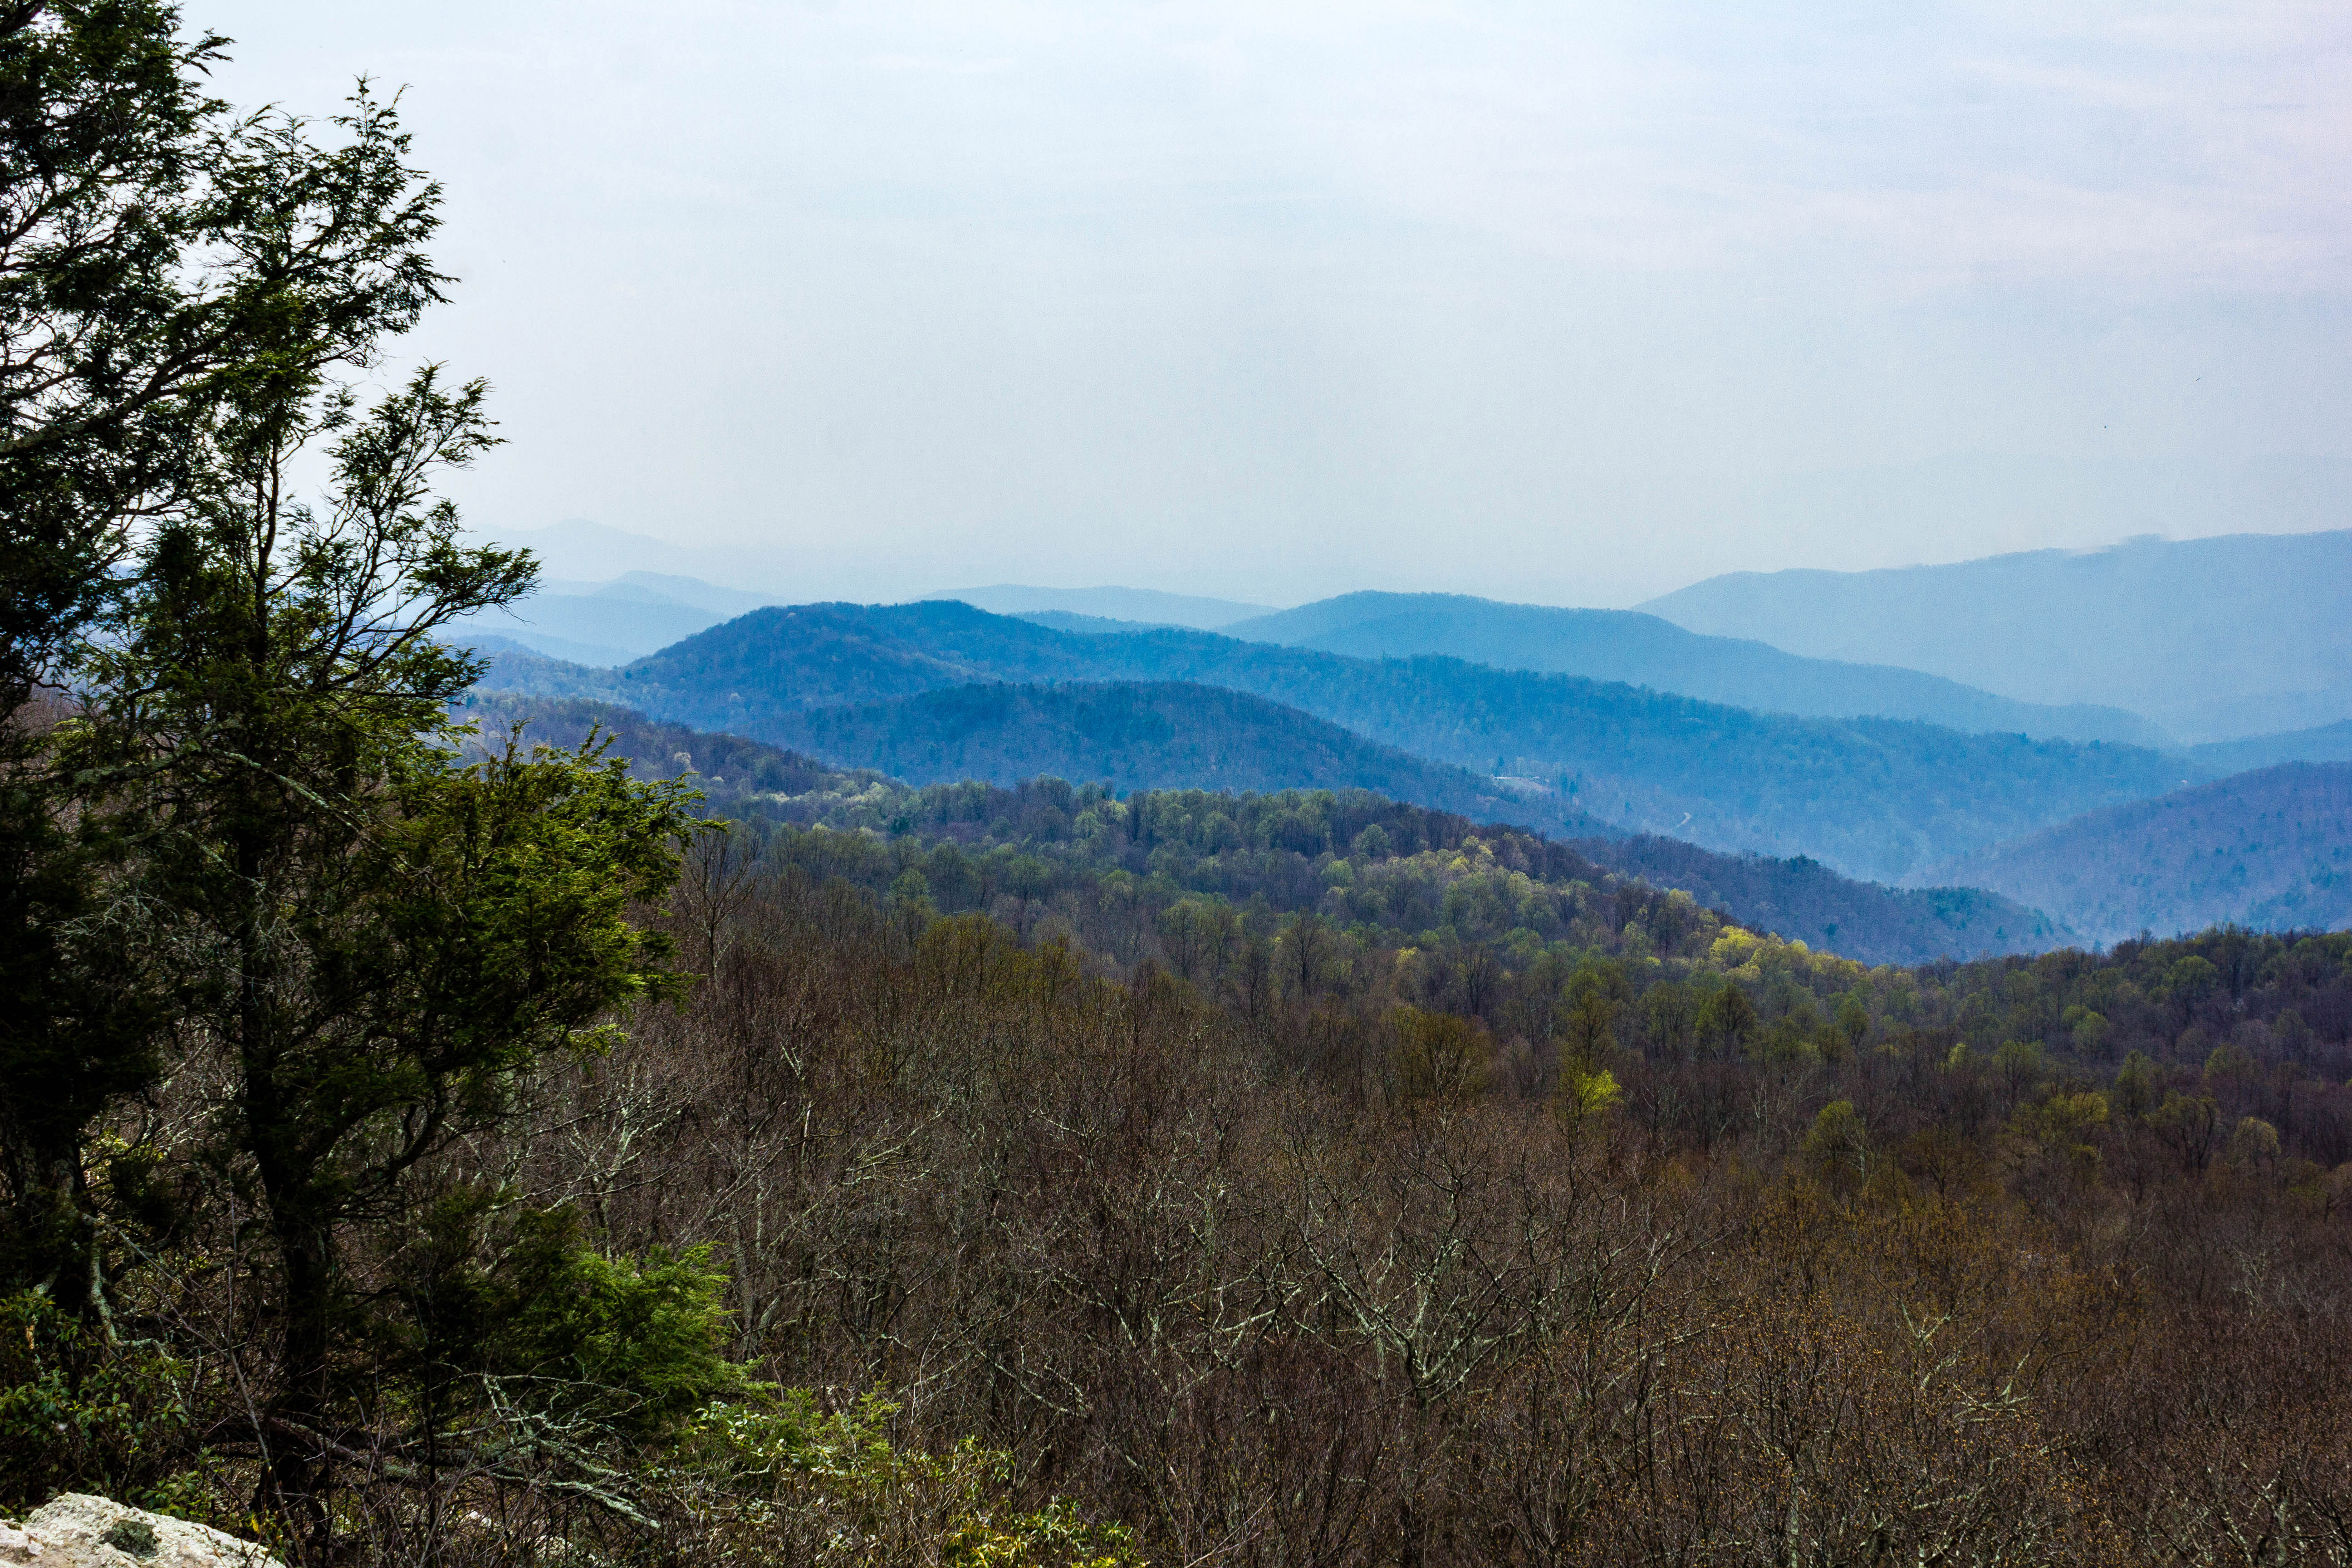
(1874, 798)
(2213, 638)
(2323, 744)
(1144, 605)
(1649, 742)
(1646, 650)
(1798, 898)
(1151, 735)
(613, 622)
(2209, 639)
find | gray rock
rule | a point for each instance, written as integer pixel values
(73, 1529)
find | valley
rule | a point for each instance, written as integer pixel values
(1463, 705)
(1874, 798)
(1280, 841)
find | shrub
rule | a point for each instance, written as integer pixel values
(78, 1413)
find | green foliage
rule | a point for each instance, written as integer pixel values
(1852, 1022)
(632, 1344)
(795, 1482)
(516, 1316)
(2070, 1121)
(2086, 1028)
(2253, 1143)
(2190, 980)
(1438, 1057)
(1584, 1094)
(1727, 1019)
(165, 263)
(79, 1414)
(104, 343)
(2135, 1086)
(81, 1019)
(381, 937)
(2018, 1063)
(1837, 1147)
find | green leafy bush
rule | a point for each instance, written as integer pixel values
(80, 1415)
(780, 1478)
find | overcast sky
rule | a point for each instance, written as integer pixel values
(1561, 302)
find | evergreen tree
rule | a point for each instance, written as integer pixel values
(236, 820)
(377, 936)
(100, 124)
(163, 268)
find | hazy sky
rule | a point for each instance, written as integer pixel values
(1575, 304)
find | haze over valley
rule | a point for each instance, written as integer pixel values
(1578, 721)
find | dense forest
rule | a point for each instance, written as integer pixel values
(2270, 849)
(424, 1144)
(1878, 798)
(1150, 735)
(916, 1237)
(1292, 851)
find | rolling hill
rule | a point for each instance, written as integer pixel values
(743, 778)
(1803, 898)
(737, 775)
(1644, 650)
(2213, 638)
(1150, 735)
(620, 629)
(2270, 849)
(1871, 797)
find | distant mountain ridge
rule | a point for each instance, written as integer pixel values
(1800, 900)
(2324, 743)
(2213, 638)
(1146, 605)
(1646, 650)
(611, 623)
(2270, 849)
(579, 549)
(1876, 798)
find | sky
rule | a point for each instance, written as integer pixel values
(1566, 303)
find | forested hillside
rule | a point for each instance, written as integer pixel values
(1360, 858)
(1151, 735)
(1280, 1161)
(2213, 638)
(1644, 650)
(1803, 899)
(2270, 849)
(1879, 799)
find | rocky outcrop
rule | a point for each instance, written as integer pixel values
(73, 1529)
